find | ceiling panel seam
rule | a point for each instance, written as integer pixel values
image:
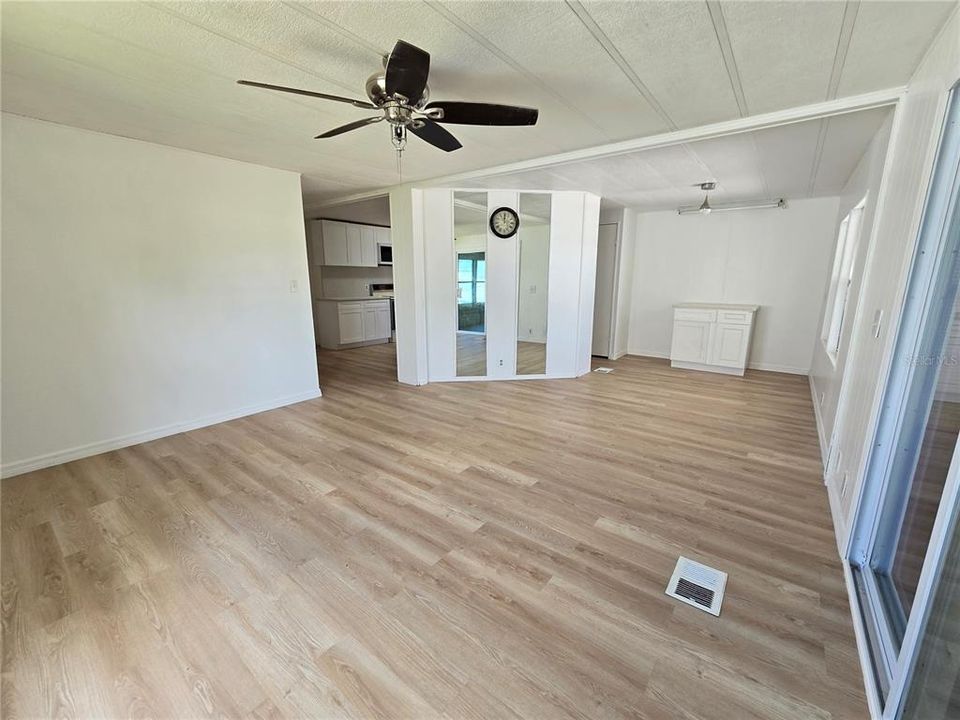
(818, 153)
(850, 11)
(339, 29)
(480, 39)
(607, 44)
(729, 59)
(841, 106)
(763, 175)
(250, 46)
(176, 90)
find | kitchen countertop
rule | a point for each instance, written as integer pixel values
(718, 306)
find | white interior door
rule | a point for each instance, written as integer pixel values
(603, 302)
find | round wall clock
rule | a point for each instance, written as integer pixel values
(504, 222)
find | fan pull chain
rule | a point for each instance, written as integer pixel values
(399, 139)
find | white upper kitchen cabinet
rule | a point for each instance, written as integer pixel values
(368, 246)
(345, 244)
(330, 243)
(354, 243)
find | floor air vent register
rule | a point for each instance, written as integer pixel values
(699, 585)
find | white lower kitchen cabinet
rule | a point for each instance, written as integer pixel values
(712, 337)
(351, 323)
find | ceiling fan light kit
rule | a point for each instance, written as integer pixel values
(401, 94)
(705, 208)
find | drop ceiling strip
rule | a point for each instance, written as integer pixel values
(339, 29)
(168, 10)
(850, 11)
(729, 59)
(827, 108)
(607, 44)
(843, 45)
(455, 20)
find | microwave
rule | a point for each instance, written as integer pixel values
(384, 254)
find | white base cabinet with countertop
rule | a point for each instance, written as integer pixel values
(712, 337)
(342, 323)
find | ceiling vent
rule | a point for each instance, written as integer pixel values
(699, 585)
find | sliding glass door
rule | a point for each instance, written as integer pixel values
(908, 508)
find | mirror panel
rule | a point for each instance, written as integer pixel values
(470, 249)
(533, 254)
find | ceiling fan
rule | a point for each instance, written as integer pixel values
(400, 92)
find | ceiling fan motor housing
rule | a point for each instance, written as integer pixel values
(377, 92)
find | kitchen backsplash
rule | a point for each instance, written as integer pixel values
(332, 281)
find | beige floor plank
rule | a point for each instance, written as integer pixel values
(463, 550)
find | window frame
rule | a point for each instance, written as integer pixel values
(841, 280)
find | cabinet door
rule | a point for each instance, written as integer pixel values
(334, 243)
(316, 241)
(369, 322)
(383, 322)
(354, 241)
(691, 341)
(383, 236)
(729, 346)
(351, 323)
(368, 246)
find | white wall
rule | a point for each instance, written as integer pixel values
(778, 259)
(332, 281)
(409, 278)
(146, 290)
(825, 374)
(916, 131)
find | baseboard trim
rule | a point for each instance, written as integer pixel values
(773, 367)
(767, 367)
(76, 453)
(648, 353)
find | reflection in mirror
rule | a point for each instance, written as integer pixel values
(470, 245)
(534, 240)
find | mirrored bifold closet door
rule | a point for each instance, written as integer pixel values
(470, 257)
(502, 284)
(533, 260)
(901, 553)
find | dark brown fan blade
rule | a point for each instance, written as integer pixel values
(435, 135)
(309, 93)
(349, 126)
(469, 113)
(407, 70)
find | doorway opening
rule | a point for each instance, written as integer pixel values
(350, 252)
(607, 243)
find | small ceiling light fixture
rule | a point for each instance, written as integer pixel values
(705, 208)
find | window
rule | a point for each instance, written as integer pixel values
(471, 278)
(841, 278)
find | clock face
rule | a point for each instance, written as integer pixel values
(504, 222)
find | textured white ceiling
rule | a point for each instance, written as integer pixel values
(598, 71)
(763, 164)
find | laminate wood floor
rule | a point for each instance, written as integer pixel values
(463, 550)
